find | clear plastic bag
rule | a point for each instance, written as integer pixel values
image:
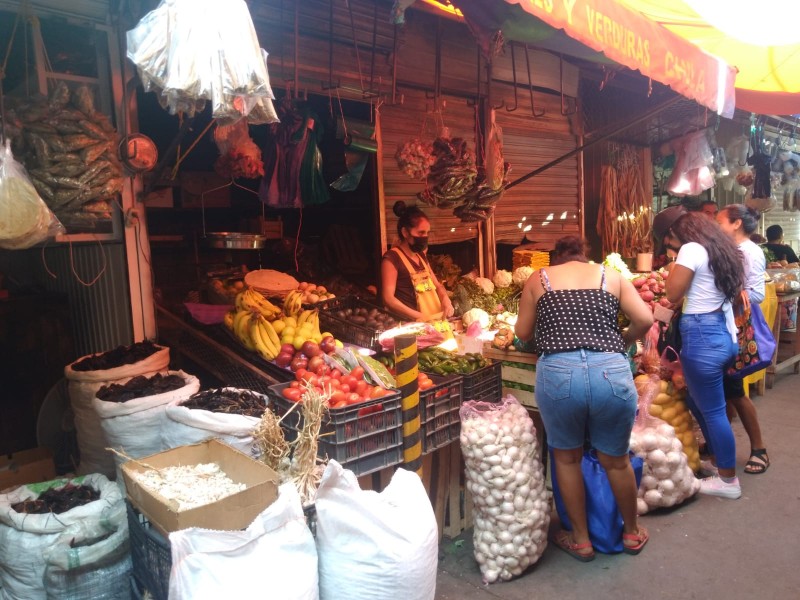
(25, 220)
(193, 51)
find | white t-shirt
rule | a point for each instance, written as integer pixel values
(754, 268)
(703, 295)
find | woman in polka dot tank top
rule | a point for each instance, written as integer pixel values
(584, 383)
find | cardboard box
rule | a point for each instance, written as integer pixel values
(234, 512)
(27, 466)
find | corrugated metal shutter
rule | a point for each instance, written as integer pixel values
(549, 202)
(100, 313)
(412, 119)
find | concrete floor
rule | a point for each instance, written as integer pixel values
(707, 548)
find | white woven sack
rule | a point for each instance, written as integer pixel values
(275, 554)
(183, 426)
(25, 538)
(375, 546)
(134, 427)
(91, 562)
(82, 387)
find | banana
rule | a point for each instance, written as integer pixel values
(305, 316)
(293, 304)
(259, 302)
(239, 301)
(274, 338)
(228, 319)
(241, 330)
(254, 301)
(262, 342)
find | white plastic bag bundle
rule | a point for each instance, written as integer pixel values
(82, 387)
(275, 554)
(193, 51)
(91, 562)
(183, 426)
(25, 538)
(134, 427)
(375, 546)
(506, 478)
(25, 219)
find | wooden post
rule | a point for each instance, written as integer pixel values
(405, 355)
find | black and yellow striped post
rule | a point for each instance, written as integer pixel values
(405, 362)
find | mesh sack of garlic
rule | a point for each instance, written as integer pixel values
(667, 479)
(505, 476)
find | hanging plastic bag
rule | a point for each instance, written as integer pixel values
(193, 51)
(25, 220)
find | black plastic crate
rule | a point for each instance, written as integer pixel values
(345, 330)
(438, 412)
(151, 556)
(365, 437)
(484, 384)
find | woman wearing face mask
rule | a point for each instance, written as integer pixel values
(408, 285)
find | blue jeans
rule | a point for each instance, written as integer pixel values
(707, 351)
(582, 391)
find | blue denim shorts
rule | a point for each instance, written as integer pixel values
(584, 393)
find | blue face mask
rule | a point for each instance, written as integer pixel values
(418, 244)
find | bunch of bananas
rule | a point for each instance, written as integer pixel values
(254, 331)
(293, 303)
(253, 301)
(264, 337)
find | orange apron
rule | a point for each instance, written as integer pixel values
(428, 302)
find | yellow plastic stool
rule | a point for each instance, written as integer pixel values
(769, 306)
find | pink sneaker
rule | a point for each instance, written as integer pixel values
(708, 469)
(714, 486)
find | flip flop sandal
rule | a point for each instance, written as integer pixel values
(563, 541)
(756, 467)
(640, 538)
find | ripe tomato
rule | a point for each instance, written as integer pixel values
(379, 392)
(295, 384)
(360, 387)
(345, 388)
(424, 384)
(358, 372)
(339, 404)
(334, 382)
(336, 373)
(292, 394)
(350, 380)
(353, 398)
(337, 397)
(299, 374)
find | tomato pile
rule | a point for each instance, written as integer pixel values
(346, 390)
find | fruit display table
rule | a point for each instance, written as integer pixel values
(790, 342)
(194, 342)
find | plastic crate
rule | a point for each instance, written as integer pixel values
(151, 556)
(347, 331)
(484, 384)
(440, 423)
(364, 438)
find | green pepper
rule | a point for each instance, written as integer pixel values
(439, 370)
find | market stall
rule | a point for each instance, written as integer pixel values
(283, 397)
